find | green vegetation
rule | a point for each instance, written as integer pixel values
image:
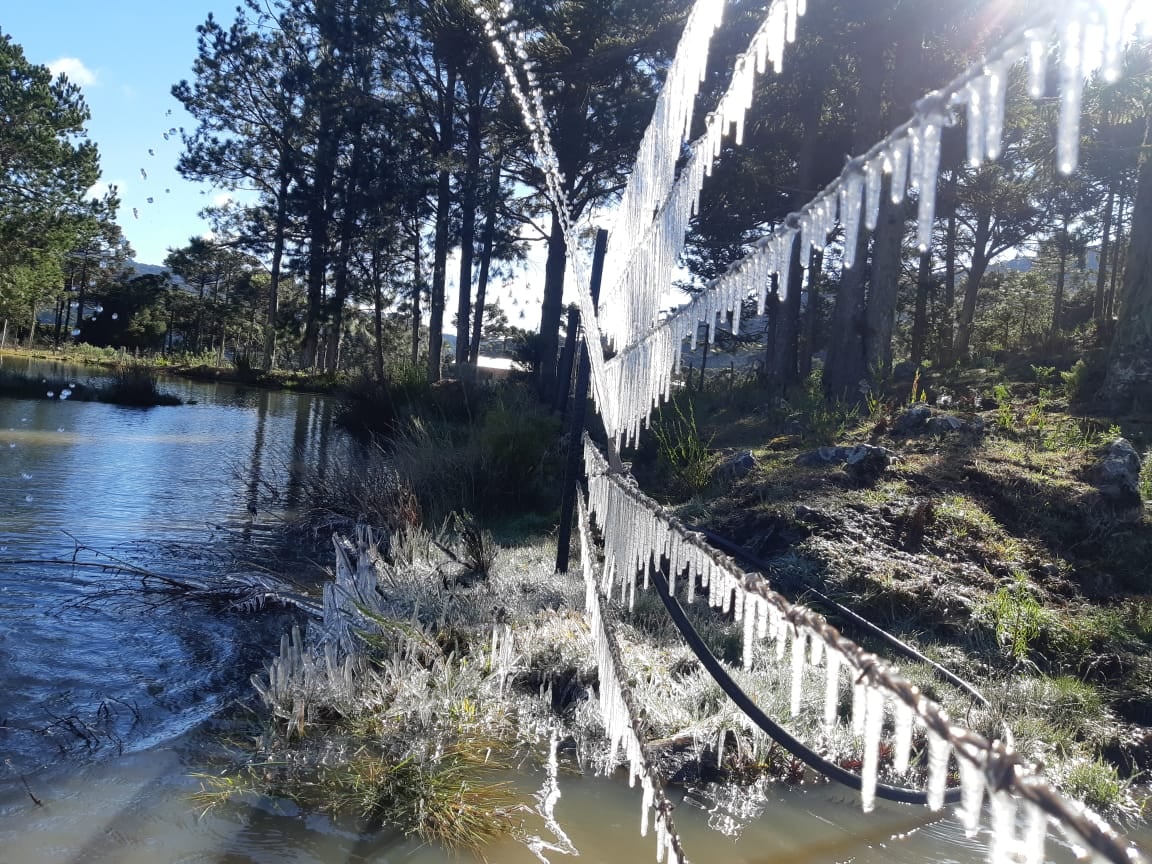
(132, 385)
(682, 453)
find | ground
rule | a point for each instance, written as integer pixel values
(988, 546)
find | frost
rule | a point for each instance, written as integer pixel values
(873, 725)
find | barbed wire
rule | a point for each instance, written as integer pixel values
(984, 765)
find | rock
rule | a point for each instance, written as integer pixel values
(823, 456)
(913, 420)
(942, 424)
(867, 462)
(739, 466)
(905, 371)
(1117, 474)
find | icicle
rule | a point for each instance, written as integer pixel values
(873, 181)
(926, 178)
(976, 93)
(749, 633)
(850, 214)
(761, 618)
(972, 795)
(1071, 90)
(938, 751)
(997, 76)
(799, 638)
(832, 688)
(1037, 62)
(649, 797)
(902, 743)
(817, 651)
(1003, 848)
(859, 705)
(1035, 834)
(873, 725)
(898, 156)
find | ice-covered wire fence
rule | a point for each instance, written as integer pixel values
(618, 708)
(1088, 33)
(644, 249)
(638, 531)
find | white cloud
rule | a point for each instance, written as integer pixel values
(98, 189)
(75, 69)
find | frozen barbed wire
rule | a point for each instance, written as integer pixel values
(638, 533)
(620, 712)
(1090, 34)
(639, 271)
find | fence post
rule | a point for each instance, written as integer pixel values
(572, 468)
(567, 357)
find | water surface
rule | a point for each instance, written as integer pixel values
(103, 711)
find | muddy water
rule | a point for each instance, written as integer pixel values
(103, 710)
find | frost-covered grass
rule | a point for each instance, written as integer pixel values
(439, 678)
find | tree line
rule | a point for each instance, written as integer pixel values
(383, 150)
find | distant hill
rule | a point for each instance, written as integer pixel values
(141, 269)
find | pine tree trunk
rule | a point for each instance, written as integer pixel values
(920, 316)
(785, 355)
(847, 362)
(280, 229)
(377, 311)
(468, 217)
(551, 308)
(443, 214)
(1061, 275)
(1128, 384)
(811, 313)
(417, 290)
(972, 286)
(1102, 260)
(880, 313)
(489, 237)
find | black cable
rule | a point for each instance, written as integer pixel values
(738, 551)
(805, 754)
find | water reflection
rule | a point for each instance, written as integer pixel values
(132, 484)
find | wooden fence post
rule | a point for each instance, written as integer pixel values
(573, 468)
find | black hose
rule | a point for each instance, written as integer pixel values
(805, 754)
(738, 551)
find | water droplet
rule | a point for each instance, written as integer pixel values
(51, 394)
(65, 393)
(59, 428)
(76, 332)
(12, 445)
(23, 419)
(28, 498)
(71, 386)
(114, 316)
(24, 475)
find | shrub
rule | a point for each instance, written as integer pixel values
(1096, 784)
(1016, 616)
(680, 448)
(136, 384)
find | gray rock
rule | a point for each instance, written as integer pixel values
(862, 461)
(1117, 473)
(823, 456)
(942, 424)
(905, 371)
(739, 465)
(866, 462)
(913, 420)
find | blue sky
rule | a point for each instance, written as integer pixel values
(127, 54)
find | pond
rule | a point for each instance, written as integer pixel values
(107, 711)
